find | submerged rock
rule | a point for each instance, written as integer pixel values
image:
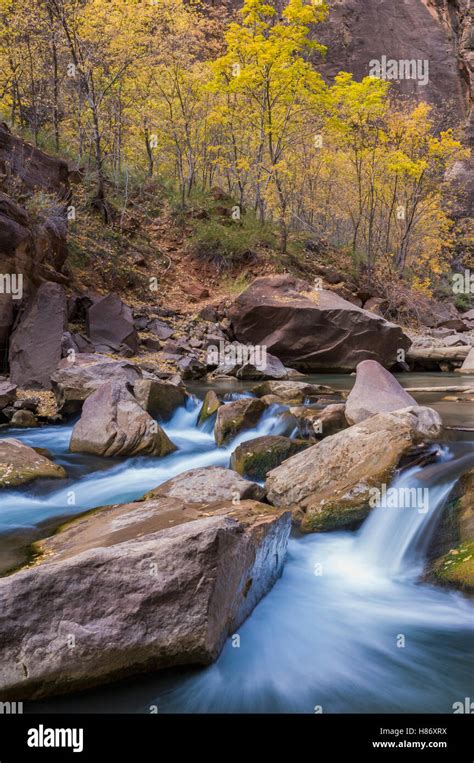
(375, 391)
(233, 418)
(114, 424)
(138, 587)
(20, 464)
(255, 458)
(329, 485)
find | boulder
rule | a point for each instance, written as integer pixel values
(191, 368)
(233, 418)
(27, 404)
(328, 486)
(160, 329)
(440, 315)
(375, 391)
(24, 419)
(75, 343)
(20, 464)
(468, 364)
(271, 368)
(139, 587)
(77, 377)
(255, 458)
(7, 393)
(114, 424)
(150, 344)
(35, 345)
(208, 485)
(312, 330)
(159, 398)
(209, 407)
(110, 326)
(314, 422)
(209, 314)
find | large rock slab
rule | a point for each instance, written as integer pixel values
(79, 376)
(375, 391)
(132, 589)
(114, 424)
(328, 485)
(110, 326)
(35, 345)
(20, 464)
(209, 484)
(312, 330)
(235, 417)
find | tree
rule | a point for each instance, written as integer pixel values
(270, 92)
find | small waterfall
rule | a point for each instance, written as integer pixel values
(97, 482)
(396, 535)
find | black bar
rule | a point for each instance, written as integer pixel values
(138, 738)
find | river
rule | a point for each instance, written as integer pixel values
(348, 628)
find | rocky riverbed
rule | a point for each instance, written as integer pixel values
(159, 557)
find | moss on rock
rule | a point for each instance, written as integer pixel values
(257, 457)
(456, 568)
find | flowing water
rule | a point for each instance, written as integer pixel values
(349, 627)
